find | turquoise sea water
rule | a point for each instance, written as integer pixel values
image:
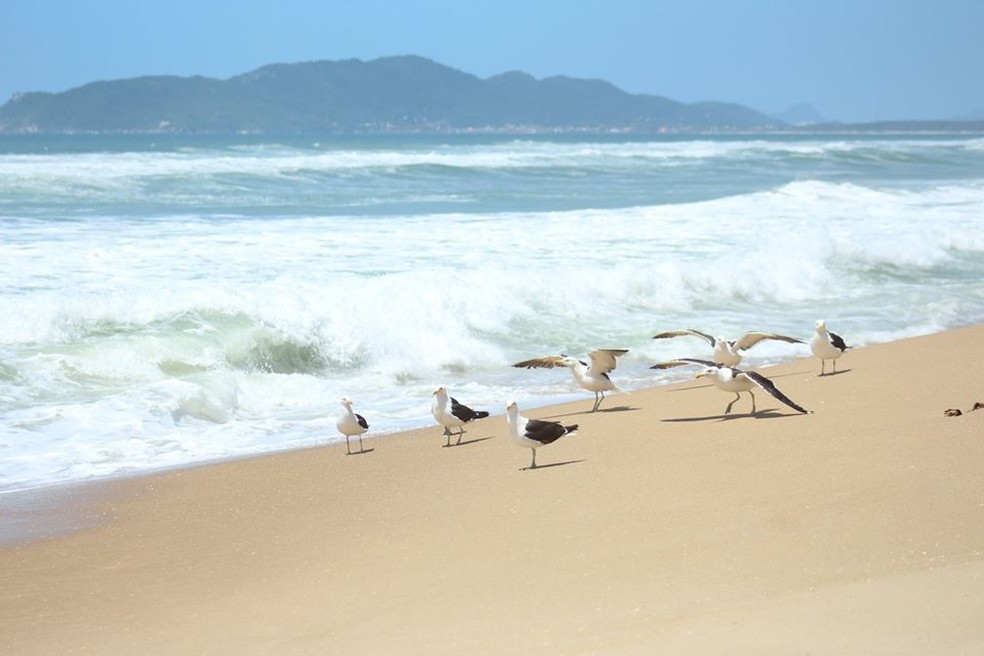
(168, 300)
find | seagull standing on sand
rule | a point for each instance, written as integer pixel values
(455, 416)
(593, 377)
(728, 352)
(826, 346)
(734, 380)
(349, 423)
(534, 433)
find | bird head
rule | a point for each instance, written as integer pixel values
(440, 390)
(347, 402)
(706, 371)
(568, 361)
(821, 326)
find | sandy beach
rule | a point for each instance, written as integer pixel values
(661, 527)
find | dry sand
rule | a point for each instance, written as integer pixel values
(662, 527)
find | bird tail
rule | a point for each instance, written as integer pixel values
(481, 414)
(571, 429)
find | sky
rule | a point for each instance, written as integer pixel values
(853, 60)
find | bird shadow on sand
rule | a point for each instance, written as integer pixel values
(362, 452)
(552, 464)
(619, 408)
(770, 413)
(833, 373)
(467, 442)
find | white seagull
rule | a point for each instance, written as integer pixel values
(534, 433)
(350, 424)
(734, 380)
(826, 346)
(455, 416)
(593, 377)
(728, 351)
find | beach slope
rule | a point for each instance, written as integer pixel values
(661, 527)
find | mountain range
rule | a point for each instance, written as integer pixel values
(402, 94)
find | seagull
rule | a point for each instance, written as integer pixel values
(727, 351)
(534, 433)
(456, 417)
(734, 380)
(827, 346)
(593, 377)
(350, 424)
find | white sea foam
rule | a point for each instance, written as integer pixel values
(75, 173)
(132, 342)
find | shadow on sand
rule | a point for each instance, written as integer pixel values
(551, 464)
(770, 413)
(620, 408)
(467, 442)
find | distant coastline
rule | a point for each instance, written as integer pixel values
(893, 128)
(391, 95)
(406, 95)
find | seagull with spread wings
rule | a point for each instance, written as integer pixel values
(729, 379)
(592, 377)
(729, 351)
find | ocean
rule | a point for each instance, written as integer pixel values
(170, 300)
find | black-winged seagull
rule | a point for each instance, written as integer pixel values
(734, 380)
(534, 433)
(455, 416)
(826, 345)
(349, 423)
(728, 351)
(593, 377)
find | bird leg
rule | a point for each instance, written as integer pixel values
(447, 434)
(461, 431)
(361, 450)
(753, 401)
(599, 396)
(348, 451)
(533, 463)
(823, 366)
(727, 410)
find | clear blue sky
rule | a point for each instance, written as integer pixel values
(854, 60)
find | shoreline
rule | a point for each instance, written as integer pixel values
(35, 492)
(663, 525)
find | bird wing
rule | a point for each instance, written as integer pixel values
(464, 413)
(362, 421)
(546, 362)
(770, 387)
(545, 432)
(603, 360)
(837, 341)
(689, 332)
(750, 339)
(669, 364)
